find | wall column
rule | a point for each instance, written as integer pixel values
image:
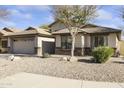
(9, 46)
(38, 48)
(82, 44)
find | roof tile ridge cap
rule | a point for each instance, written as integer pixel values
(7, 29)
(36, 29)
(42, 29)
(29, 27)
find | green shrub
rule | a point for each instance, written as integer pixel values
(102, 54)
(46, 55)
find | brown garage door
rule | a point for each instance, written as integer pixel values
(48, 47)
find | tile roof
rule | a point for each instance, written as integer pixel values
(90, 30)
(7, 31)
(31, 30)
(100, 30)
(11, 29)
(4, 32)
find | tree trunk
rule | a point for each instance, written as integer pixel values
(73, 45)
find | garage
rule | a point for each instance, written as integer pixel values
(32, 40)
(23, 46)
(48, 47)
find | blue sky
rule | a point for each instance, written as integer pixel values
(24, 16)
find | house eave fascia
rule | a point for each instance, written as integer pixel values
(23, 35)
(43, 35)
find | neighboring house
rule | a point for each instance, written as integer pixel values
(4, 40)
(30, 41)
(122, 47)
(89, 37)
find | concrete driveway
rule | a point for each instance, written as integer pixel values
(29, 80)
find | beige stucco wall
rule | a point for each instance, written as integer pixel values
(117, 44)
(113, 40)
(39, 40)
(84, 41)
(87, 41)
(122, 48)
(9, 42)
(38, 43)
(58, 41)
(57, 26)
(79, 41)
(10, 45)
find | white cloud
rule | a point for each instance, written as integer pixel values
(104, 15)
(17, 13)
(33, 7)
(8, 23)
(108, 19)
(110, 23)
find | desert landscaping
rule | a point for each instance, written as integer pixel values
(84, 69)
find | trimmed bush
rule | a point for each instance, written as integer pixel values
(102, 54)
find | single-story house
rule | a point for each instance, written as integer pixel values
(89, 37)
(30, 41)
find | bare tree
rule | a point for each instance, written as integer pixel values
(74, 17)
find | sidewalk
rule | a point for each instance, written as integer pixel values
(29, 80)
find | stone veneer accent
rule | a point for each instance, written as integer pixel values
(78, 51)
(88, 51)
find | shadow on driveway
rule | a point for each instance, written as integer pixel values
(87, 61)
(119, 62)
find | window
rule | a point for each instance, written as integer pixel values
(95, 41)
(66, 42)
(4, 44)
(99, 41)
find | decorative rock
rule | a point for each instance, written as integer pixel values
(73, 59)
(11, 57)
(63, 59)
(17, 58)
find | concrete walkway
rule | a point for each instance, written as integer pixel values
(29, 80)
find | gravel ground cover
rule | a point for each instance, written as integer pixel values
(84, 70)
